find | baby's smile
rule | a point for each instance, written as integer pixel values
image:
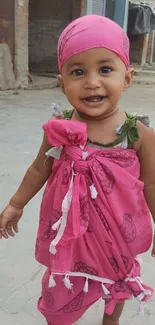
(91, 100)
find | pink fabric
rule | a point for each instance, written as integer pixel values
(103, 236)
(60, 306)
(90, 32)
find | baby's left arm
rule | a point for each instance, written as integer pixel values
(146, 155)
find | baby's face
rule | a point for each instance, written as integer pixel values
(94, 80)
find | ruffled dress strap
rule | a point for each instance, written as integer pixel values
(128, 131)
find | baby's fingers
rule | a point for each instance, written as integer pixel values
(15, 228)
(9, 230)
(3, 233)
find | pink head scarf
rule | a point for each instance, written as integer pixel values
(90, 32)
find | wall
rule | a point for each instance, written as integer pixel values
(136, 48)
(21, 42)
(46, 21)
(7, 24)
(110, 6)
(77, 7)
(147, 1)
(98, 7)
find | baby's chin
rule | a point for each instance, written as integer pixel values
(91, 115)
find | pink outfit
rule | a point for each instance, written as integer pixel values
(89, 32)
(94, 221)
(93, 213)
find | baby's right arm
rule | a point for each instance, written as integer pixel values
(34, 179)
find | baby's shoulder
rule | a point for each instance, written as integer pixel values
(143, 118)
(145, 131)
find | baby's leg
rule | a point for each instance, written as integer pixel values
(114, 318)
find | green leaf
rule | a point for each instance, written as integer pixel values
(133, 134)
(131, 122)
(68, 113)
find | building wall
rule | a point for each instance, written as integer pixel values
(46, 21)
(150, 48)
(110, 6)
(77, 6)
(7, 24)
(98, 6)
(21, 42)
(147, 1)
(136, 48)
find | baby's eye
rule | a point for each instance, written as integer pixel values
(105, 70)
(77, 73)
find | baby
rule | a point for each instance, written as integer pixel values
(100, 173)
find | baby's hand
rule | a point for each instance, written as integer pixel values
(153, 249)
(9, 219)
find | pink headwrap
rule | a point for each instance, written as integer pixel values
(90, 32)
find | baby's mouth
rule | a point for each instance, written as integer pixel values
(94, 99)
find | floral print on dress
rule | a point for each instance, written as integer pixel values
(75, 304)
(49, 233)
(65, 176)
(128, 228)
(104, 176)
(121, 286)
(125, 260)
(47, 296)
(84, 211)
(101, 215)
(114, 264)
(124, 158)
(83, 268)
(143, 211)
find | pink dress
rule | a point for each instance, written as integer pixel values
(94, 221)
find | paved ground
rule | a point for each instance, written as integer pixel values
(21, 117)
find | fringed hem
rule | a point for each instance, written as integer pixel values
(104, 281)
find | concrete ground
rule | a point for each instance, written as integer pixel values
(21, 117)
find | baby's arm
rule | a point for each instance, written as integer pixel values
(35, 177)
(146, 155)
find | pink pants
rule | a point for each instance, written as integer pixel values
(62, 306)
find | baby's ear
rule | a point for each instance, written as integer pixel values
(128, 78)
(61, 83)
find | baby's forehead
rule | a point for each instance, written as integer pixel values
(97, 56)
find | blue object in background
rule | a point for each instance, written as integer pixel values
(114, 9)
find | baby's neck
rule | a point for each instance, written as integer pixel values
(96, 120)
